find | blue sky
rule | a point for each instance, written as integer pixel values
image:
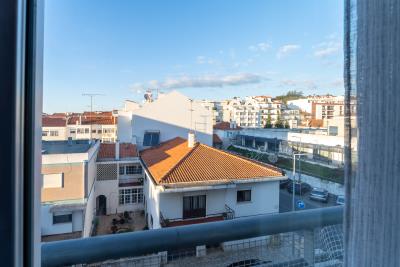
(208, 49)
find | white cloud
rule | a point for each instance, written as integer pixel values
(202, 81)
(259, 47)
(325, 49)
(286, 50)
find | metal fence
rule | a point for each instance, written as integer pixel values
(305, 238)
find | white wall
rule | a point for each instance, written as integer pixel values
(171, 116)
(264, 199)
(89, 213)
(62, 133)
(151, 193)
(48, 228)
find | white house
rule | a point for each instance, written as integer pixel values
(188, 182)
(119, 179)
(226, 131)
(171, 115)
(68, 169)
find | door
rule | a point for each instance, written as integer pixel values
(101, 205)
(194, 206)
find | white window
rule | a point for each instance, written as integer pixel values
(130, 196)
(130, 169)
(54, 180)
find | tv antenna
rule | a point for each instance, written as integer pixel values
(92, 96)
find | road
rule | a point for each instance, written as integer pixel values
(285, 201)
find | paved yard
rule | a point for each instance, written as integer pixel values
(136, 223)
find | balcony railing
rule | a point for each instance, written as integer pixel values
(282, 241)
(228, 214)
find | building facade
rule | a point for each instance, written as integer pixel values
(69, 170)
(170, 115)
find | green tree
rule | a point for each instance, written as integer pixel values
(279, 123)
(287, 126)
(268, 124)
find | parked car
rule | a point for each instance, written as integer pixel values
(284, 183)
(300, 188)
(340, 200)
(319, 194)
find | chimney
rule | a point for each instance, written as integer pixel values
(191, 139)
(80, 119)
(117, 150)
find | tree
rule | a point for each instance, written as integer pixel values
(291, 95)
(279, 123)
(268, 124)
(287, 126)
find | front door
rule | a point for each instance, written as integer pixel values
(194, 206)
(101, 205)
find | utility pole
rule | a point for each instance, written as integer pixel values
(92, 95)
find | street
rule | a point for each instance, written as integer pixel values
(285, 201)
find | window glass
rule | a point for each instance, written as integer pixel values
(243, 196)
(64, 218)
(151, 138)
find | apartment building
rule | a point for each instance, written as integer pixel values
(291, 115)
(171, 115)
(119, 179)
(187, 183)
(252, 111)
(67, 197)
(54, 128)
(214, 107)
(226, 133)
(80, 126)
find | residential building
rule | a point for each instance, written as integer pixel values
(69, 171)
(226, 132)
(93, 125)
(317, 143)
(80, 126)
(187, 182)
(171, 115)
(214, 107)
(119, 179)
(290, 115)
(252, 111)
(54, 128)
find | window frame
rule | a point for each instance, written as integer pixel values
(244, 196)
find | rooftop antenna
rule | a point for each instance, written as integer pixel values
(92, 95)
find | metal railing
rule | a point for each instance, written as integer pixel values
(102, 248)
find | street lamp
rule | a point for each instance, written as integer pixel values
(294, 177)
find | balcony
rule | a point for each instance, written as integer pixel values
(196, 217)
(302, 238)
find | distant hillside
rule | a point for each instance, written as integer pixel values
(291, 95)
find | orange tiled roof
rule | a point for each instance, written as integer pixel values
(53, 122)
(225, 126)
(174, 162)
(216, 139)
(85, 120)
(126, 150)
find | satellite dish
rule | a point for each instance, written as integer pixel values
(273, 158)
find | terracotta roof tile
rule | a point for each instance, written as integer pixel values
(174, 162)
(225, 126)
(53, 122)
(126, 150)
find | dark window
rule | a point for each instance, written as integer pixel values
(194, 206)
(243, 196)
(151, 138)
(93, 131)
(65, 218)
(72, 131)
(121, 170)
(133, 169)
